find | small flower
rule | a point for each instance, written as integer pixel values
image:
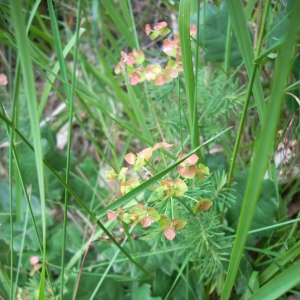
(169, 226)
(159, 29)
(146, 215)
(139, 56)
(203, 204)
(152, 71)
(170, 47)
(139, 160)
(128, 186)
(168, 186)
(34, 260)
(134, 78)
(161, 79)
(128, 58)
(187, 168)
(180, 187)
(110, 175)
(173, 188)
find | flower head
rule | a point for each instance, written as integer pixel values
(158, 29)
(175, 188)
(187, 168)
(169, 226)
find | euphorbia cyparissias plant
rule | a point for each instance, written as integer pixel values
(131, 63)
(168, 187)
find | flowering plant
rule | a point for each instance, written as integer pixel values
(131, 63)
(166, 189)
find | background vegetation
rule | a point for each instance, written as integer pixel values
(66, 118)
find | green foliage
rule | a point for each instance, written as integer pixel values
(101, 218)
(265, 211)
(213, 35)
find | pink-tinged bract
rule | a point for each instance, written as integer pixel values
(111, 215)
(172, 72)
(191, 160)
(161, 79)
(146, 153)
(193, 30)
(139, 56)
(130, 158)
(160, 25)
(130, 59)
(201, 205)
(187, 172)
(147, 221)
(124, 55)
(147, 29)
(135, 78)
(34, 260)
(169, 47)
(3, 79)
(169, 234)
(161, 145)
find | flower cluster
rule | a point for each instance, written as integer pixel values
(129, 63)
(166, 188)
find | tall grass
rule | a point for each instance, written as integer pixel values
(64, 53)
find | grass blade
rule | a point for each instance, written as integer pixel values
(279, 285)
(239, 24)
(29, 83)
(261, 154)
(185, 44)
(282, 260)
(52, 77)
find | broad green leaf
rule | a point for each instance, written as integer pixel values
(54, 189)
(213, 35)
(110, 290)
(144, 292)
(31, 241)
(161, 284)
(265, 210)
(278, 28)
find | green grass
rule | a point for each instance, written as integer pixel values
(226, 106)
